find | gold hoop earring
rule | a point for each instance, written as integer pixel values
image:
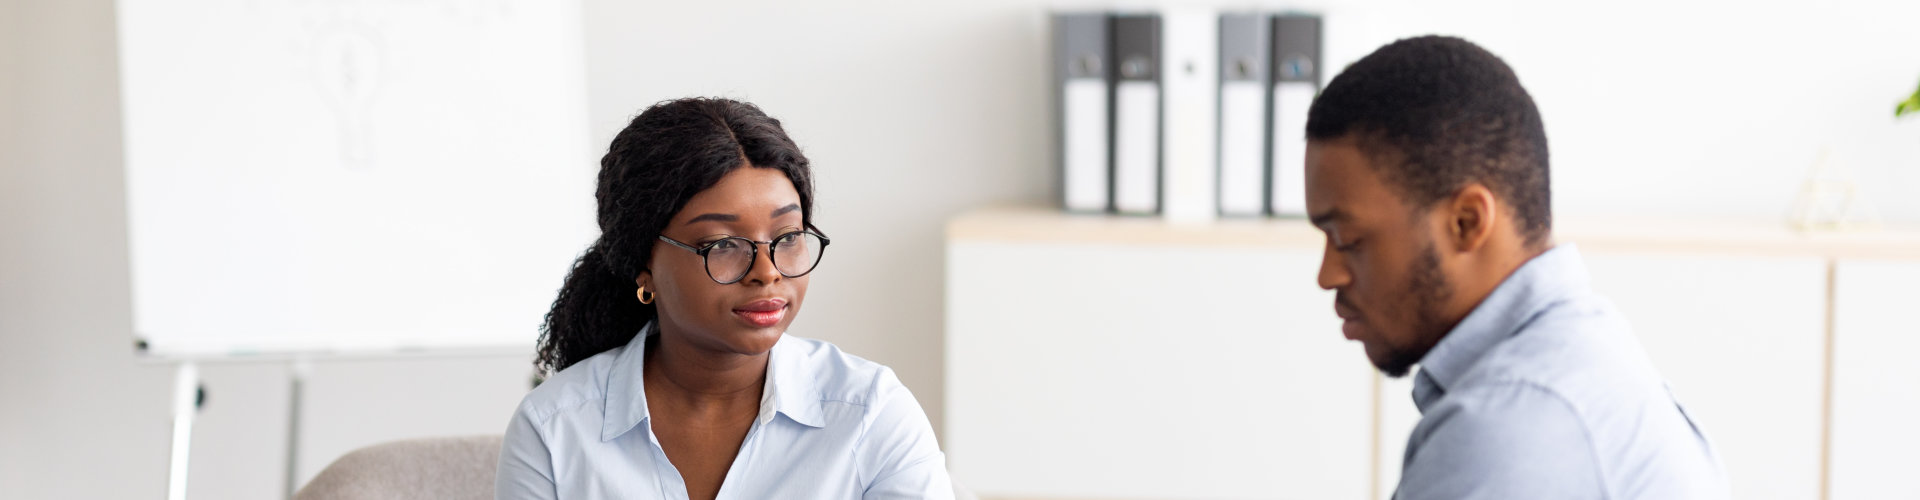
(646, 297)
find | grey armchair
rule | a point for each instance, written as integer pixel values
(456, 467)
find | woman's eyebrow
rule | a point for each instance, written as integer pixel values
(715, 217)
(735, 218)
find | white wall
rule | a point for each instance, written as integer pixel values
(78, 417)
(911, 111)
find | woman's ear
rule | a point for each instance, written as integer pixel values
(646, 293)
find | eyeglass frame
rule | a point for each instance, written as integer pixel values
(753, 247)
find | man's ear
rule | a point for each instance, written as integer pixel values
(1471, 215)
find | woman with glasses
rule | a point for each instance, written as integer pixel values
(672, 375)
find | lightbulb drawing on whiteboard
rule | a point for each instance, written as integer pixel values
(349, 75)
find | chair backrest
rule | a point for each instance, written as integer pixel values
(453, 468)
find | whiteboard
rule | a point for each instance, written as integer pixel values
(351, 176)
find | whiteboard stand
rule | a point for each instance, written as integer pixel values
(297, 372)
(189, 395)
(187, 399)
(186, 402)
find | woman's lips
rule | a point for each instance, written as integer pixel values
(762, 313)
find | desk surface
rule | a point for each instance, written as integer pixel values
(1732, 236)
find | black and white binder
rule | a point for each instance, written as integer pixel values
(1136, 113)
(1296, 76)
(1082, 81)
(1244, 88)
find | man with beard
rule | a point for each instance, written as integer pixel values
(1427, 170)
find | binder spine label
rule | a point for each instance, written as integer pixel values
(1290, 103)
(1243, 147)
(1136, 136)
(1085, 144)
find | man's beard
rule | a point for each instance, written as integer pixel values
(1426, 293)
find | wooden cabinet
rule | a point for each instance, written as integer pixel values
(1171, 370)
(1876, 382)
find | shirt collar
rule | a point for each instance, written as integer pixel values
(789, 388)
(790, 385)
(1543, 281)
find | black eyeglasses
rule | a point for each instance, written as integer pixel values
(729, 259)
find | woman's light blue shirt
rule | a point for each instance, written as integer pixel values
(831, 425)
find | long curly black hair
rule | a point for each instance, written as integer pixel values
(672, 151)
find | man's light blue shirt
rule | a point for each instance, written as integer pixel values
(831, 425)
(1544, 392)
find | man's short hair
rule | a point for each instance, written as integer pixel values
(1435, 113)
